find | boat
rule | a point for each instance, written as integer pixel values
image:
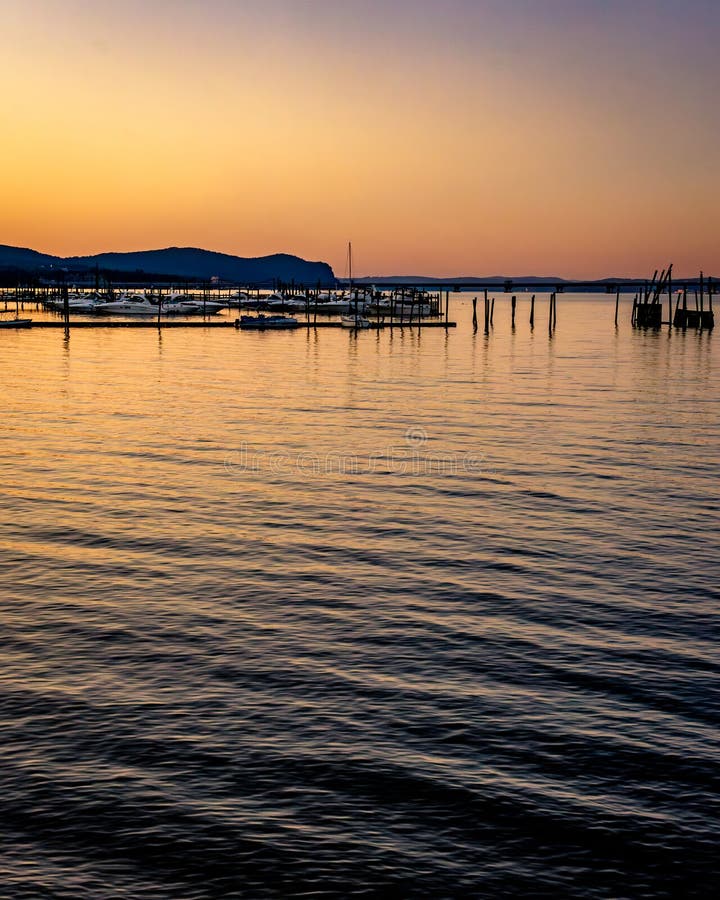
(186, 305)
(355, 319)
(338, 306)
(206, 307)
(15, 323)
(129, 305)
(178, 305)
(276, 300)
(262, 322)
(85, 303)
(404, 305)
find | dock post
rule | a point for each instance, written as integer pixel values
(676, 318)
(513, 304)
(532, 311)
(702, 300)
(617, 304)
(487, 313)
(711, 314)
(66, 308)
(492, 310)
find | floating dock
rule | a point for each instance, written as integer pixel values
(108, 323)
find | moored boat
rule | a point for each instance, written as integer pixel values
(129, 305)
(354, 321)
(187, 305)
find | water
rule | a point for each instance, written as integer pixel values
(330, 615)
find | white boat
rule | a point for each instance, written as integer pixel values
(334, 307)
(206, 307)
(354, 321)
(186, 305)
(276, 300)
(86, 303)
(129, 305)
(353, 318)
(406, 308)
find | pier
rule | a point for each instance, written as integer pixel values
(225, 323)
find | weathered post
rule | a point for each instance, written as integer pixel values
(532, 311)
(513, 304)
(617, 304)
(702, 299)
(66, 307)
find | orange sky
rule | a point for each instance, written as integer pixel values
(455, 137)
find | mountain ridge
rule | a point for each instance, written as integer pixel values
(179, 262)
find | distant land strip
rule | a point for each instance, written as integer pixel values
(23, 266)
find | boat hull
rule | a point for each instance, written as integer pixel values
(354, 322)
(128, 309)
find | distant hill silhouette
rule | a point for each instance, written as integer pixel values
(180, 262)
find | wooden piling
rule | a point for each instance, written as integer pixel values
(702, 300)
(617, 304)
(513, 304)
(66, 307)
(492, 310)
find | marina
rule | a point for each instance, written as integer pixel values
(657, 302)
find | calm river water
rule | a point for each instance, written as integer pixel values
(412, 614)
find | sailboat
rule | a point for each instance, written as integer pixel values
(354, 319)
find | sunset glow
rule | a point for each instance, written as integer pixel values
(466, 137)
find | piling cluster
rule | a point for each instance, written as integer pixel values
(489, 312)
(647, 311)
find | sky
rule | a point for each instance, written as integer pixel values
(578, 138)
